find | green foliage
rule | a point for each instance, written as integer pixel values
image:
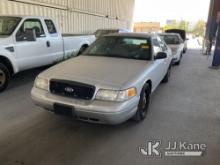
(184, 25)
(199, 28)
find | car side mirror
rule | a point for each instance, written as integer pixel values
(30, 35)
(160, 55)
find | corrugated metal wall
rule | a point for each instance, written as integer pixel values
(75, 16)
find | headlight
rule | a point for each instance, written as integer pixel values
(113, 95)
(42, 83)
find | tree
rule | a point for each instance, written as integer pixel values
(199, 28)
(184, 25)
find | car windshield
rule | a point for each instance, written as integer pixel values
(100, 33)
(121, 47)
(171, 39)
(8, 25)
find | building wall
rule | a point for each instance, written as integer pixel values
(75, 16)
(147, 27)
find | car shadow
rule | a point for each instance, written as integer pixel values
(24, 77)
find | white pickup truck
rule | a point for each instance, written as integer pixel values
(27, 42)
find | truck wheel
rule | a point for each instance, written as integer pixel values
(167, 76)
(143, 103)
(82, 49)
(4, 77)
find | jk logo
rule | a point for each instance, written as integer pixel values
(151, 149)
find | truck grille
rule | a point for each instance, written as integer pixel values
(72, 89)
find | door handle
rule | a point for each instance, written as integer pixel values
(48, 44)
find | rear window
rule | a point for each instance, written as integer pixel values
(171, 39)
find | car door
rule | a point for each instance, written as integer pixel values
(159, 65)
(30, 54)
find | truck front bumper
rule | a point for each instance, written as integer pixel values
(94, 111)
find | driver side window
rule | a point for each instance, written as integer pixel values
(33, 24)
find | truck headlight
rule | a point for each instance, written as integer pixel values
(113, 95)
(42, 83)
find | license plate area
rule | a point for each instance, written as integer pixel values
(63, 110)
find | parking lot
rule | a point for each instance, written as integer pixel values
(185, 109)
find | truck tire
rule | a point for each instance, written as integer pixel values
(82, 49)
(4, 77)
(143, 103)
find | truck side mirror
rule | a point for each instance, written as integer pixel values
(160, 55)
(30, 35)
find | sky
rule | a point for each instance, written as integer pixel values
(162, 10)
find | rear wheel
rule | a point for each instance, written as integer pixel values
(4, 77)
(143, 103)
(82, 49)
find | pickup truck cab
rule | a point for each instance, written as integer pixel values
(115, 78)
(27, 42)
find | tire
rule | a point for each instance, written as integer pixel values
(167, 76)
(82, 49)
(4, 77)
(143, 103)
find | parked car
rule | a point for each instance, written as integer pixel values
(175, 42)
(101, 32)
(27, 42)
(182, 33)
(115, 78)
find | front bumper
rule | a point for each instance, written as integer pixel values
(93, 111)
(176, 58)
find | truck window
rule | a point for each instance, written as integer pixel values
(50, 26)
(30, 24)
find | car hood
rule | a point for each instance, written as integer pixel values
(99, 71)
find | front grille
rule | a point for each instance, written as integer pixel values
(72, 89)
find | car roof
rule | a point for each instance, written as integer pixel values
(138, 35)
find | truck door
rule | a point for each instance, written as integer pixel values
(54, 41)
(30, 54)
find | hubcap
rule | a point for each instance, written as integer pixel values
(145, 102)
(2, 78)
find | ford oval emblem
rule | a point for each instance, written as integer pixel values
(69, 89)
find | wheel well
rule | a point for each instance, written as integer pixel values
(7, 63)
(85, 46)
(150, 83)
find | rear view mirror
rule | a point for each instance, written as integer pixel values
(160, 55)
(30, 35)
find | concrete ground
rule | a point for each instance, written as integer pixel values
(185, 109)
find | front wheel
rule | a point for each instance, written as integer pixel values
(143, 103)
(4, 77)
